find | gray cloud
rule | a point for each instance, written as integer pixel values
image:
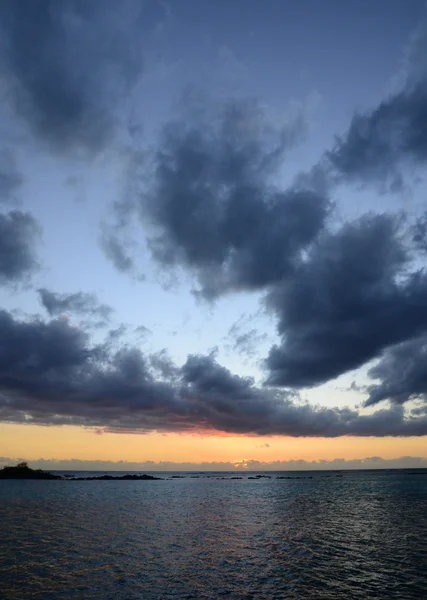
(384, 145)
(142, 331)
(51, 373)
(419, 232)
(10, 178)
(342, 296)
(19, 231)
(213, 202)
(68, 64)
(19, 234)
(163, 365)
(117, 334)
(80, 303)
(402, 372)
(236, 405)
(243, 338)
(215, 208)
(246, 343)
(116, 249)
(354, 296)
(379, 144)
(358, 293)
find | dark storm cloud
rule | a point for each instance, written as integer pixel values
(67, 64)
(236, 405)
(353, 296)
(19, 234)
(379, 144)
(79, 303)
(402, 372)
(214, 205)
(50, 373)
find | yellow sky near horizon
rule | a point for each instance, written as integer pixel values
(32, 442)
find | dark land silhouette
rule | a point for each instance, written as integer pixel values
(23, 471)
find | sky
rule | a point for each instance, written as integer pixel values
(213, 233)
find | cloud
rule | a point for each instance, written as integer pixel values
(162, 364)
(79, 303)
(358, 291)
(244, 339)
(237, 406)
(213, 204)
(402, 373)
(19, 234)
(74, 464)
(354, 296)
(413, 66)
(387, 143)
(419, 232)
(50, 373)
(116, 240)
(341, 295)
(379, 144)
(19, 231)
(117, 334)
(10, 178)
(68, 65)
(246, 343)
(142, 331)
(117, 249)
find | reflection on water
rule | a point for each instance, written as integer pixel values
(359, 536)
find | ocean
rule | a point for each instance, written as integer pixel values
(318, 535)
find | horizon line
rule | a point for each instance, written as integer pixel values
(242, 465)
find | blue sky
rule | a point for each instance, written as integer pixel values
(136, 69)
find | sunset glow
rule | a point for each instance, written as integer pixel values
(62, 443)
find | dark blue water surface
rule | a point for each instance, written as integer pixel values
(359, 535)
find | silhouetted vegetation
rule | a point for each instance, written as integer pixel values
(23, 471)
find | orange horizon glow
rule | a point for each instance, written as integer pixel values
(33, 442)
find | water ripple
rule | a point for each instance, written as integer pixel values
(357, 537)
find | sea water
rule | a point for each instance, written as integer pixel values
(318, 535)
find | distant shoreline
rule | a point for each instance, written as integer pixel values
(23, 471)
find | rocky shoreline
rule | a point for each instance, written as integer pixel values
(23, 471)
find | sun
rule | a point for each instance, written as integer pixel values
(241, 464)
